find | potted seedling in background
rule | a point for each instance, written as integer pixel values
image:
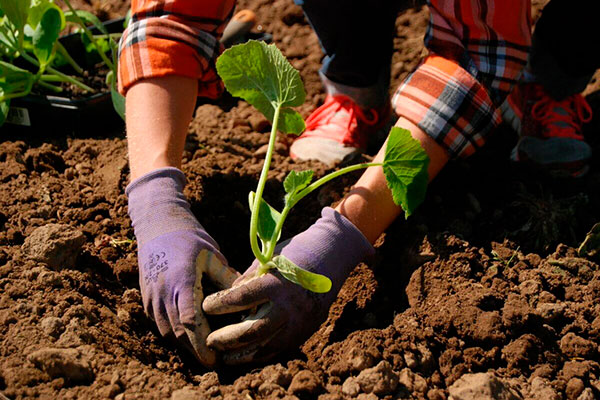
(261, 75)
(30, 47)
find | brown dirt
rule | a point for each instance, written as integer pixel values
(483, 278)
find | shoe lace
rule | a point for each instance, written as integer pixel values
(575, 111)
(332, 105)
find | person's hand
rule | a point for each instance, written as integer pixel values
(288, 313)
(174, 253)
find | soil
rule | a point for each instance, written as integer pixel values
(481, 294)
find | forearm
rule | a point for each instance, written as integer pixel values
(369, 205)
(158, 114)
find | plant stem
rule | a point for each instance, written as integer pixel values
(298, 196)
(53, 88)
(89, 35)
(51, 78)
(65, 77)
(273, 242)
(259, 191)
(307, 190)
(113, 36)
(61, 49)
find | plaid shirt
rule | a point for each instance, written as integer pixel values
(174, 37)
(477, 49)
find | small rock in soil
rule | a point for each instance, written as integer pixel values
(305, 383)
(481, 386)
(57, 245)
(69, 364)
(381, 379)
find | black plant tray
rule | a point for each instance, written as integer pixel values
(50, 115)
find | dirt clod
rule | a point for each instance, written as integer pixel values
(52, 326)
(57, 245)
(380, 380)
(481, 386)
(575, 346)
(305, 383)
(541, 389)
(574, 388)
(70, 364)
(587, 394)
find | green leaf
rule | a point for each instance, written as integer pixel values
(268, 217)
(118, 99)
(39, 8)
(16, 11)
(45, 36)
(308, 280)
(591, 244)
(4, 107)
(14, 80)
(261, 75)
(296, 181)
(8, 42)
(405, 168)
(87, 17)
(127, 19)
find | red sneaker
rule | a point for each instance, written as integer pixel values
(337, 129)
(549, 130)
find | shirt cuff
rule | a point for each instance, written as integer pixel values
(157, 47)
(449, 104)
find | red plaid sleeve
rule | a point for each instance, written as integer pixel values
(477, 51)
(174, 37)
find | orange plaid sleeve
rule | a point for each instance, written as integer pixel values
(478, 49)
(174, 37)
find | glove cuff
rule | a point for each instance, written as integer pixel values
(332, 246)
(156, 205)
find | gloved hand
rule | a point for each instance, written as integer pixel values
(174, 252)
(288, 314)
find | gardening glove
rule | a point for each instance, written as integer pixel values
(288, 313)
(174, 252)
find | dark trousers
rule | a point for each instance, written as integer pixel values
(356, 36)
(566, 46)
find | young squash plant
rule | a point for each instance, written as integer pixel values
(261, 75)
(29, 32)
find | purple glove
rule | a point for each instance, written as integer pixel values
(289, 314)
(174, 251)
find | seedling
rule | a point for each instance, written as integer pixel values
(29, 30)
(499, 258)
(261, 75)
